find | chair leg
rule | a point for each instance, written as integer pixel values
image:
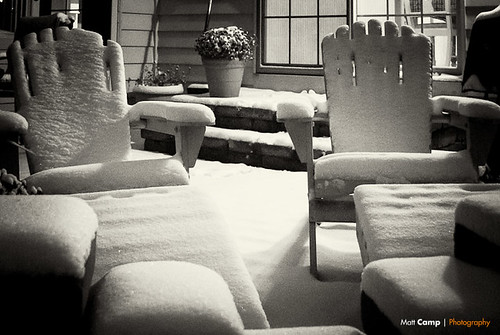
(313, 262)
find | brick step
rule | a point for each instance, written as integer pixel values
(270, 150)
(267, 150)
(255, 109)
(259, 120)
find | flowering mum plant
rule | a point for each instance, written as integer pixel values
(155, 76)
(226, 43)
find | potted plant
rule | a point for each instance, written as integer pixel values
(224, 51)
(156, 81)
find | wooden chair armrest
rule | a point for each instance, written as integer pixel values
(181, 113)
(297, 109)
(12, 125)
(478, 117)
(186, 121)
(11, 122)
(466, 106)
(301, 133)
(297, 115)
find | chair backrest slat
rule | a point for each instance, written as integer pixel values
(378, 88)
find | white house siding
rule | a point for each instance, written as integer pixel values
(181, 21)
(135, 34)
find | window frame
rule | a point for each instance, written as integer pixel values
(290, 69)
(317, 70)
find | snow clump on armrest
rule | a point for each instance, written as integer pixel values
(173, 111)
(293, 109)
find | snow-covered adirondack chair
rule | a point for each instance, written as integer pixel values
(71, 90)
(380, 108)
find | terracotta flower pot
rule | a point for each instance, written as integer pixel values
(224, 76)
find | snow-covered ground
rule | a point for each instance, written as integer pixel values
(267, 212)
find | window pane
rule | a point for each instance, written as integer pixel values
(276, 43)
(444, 51)
(370, 7)
(335, 7)
(412, 21)
(438, 5)
(304, 7)
(432, 25)
(304, 43)
(276, 7)
(443, 35)
(330, 25)
(327, 26)
(400, 20)
(432, 5)
(413, 6)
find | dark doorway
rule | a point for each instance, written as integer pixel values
(96, 16)
(10, 12)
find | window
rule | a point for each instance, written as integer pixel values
(12, 10)
(291, 30)
(69, 7)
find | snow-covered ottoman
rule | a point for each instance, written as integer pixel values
(409, 220)
(477, 230)
(316, 330)
(174, 297)
(179, 223)
(47, 253)
(429, 295)
(168, 297)
(442, 294)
